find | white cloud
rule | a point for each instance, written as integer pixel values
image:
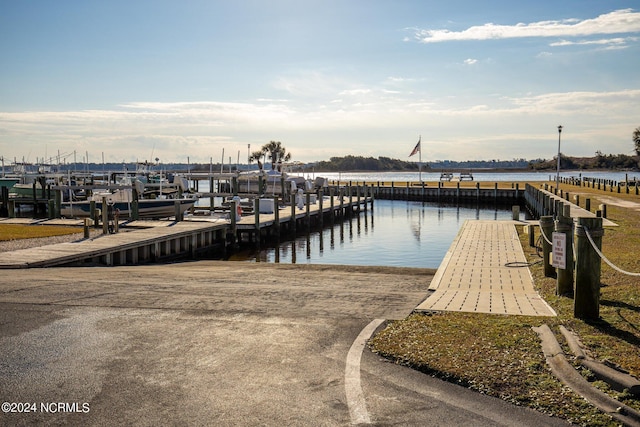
(618, 42)
(616, 22)
(470, 61)
(200, 130)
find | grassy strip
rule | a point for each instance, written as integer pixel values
(501, 355)
(20, 231)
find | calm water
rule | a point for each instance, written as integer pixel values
(478, 176)
(396, 233)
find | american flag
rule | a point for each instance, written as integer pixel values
(415, 149)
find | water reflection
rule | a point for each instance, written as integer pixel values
(410, 234)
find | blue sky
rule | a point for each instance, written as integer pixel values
(136, 80)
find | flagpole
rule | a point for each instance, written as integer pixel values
(420, 158)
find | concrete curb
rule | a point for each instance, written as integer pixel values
(618, 380)
(563, 370)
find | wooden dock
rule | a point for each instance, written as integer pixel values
(543, 202)
(485, 271)
(148, 241)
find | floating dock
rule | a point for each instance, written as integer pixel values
(485, 271)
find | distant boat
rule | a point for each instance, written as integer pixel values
(121, 201)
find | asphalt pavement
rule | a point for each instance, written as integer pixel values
(219, 343)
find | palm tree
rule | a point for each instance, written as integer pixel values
(257, 156)
(636, 140)
(276, 152)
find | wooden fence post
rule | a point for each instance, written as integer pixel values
(588, 265)
(546, 228)
(564, 224)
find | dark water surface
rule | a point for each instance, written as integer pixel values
(396, 233)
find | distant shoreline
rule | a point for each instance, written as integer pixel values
(479, 170)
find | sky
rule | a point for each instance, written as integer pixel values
(189, 80)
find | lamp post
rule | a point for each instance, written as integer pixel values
(558, 170)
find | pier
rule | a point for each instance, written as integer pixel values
(141, 242)
(147, 241)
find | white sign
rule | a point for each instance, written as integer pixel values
(559, 251)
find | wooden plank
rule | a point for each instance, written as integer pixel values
(477, 274)
(68, 252)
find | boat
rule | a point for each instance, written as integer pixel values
(121, 201)
(277, 183)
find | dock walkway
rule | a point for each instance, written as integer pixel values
(485, 271)
(148, 241)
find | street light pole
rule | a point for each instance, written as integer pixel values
(558, 170)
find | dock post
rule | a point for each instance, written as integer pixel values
(5, 200)
(532, 235)
(515, 212)
(457, 191)
(276, 215)
(256, 213)
(603, 208)
(358, 198)
(373, 196)
(51, 209)
(293, 213)
(92, 212)
(332, 203)
(308, 209)
(58, 198)
(211, 198)
(588, 266)
(86, 224)
(135, 212)
(233, 208)
(105, 216)
(320, 211)
(546, 229)
(564, 224)
(365, 191)
(341, 195)
(176, 207)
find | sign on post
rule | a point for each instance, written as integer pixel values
(559, 250)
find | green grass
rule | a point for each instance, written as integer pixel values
(501, 355)
(20, 231)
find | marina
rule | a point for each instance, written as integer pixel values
(292, 220)
(139, 242)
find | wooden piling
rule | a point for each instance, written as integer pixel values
(564, 224)
(276, 215)
(293, 213)
(256, 213)
(588, 266)
(105, 216)
(308, 209)
(546, 228)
